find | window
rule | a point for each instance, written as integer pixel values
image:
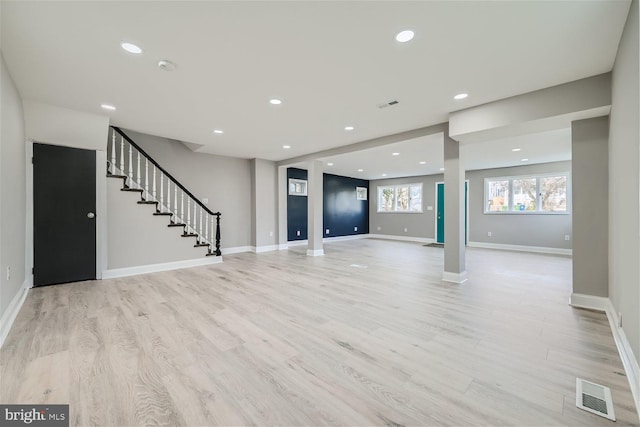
(527, 194)
(400, 198)
(297, 187)
(361, 193)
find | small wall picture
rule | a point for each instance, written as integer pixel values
(361, 193)
(297, 187)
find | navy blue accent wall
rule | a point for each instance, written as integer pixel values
(296, 208)
(341, 210)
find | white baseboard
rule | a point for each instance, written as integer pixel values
(454, 277)
(402, 238)
(283, 247)
(521, 248)
(340, 238)
(9, 316)
(315, 252)
(297, 243)
(627, 357)
(236, 250)
(260, 249)
(153, 268)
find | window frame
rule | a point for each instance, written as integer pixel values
(395, 201)
(538, 178)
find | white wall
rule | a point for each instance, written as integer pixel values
(12, 190)
(50, 124)
(624, 176)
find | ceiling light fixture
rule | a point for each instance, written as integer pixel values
(460, 96)
(218, 131)
(349, 128)
(329, 164)
(516, 149)
(360, 170)
(286, 147)
(131, 48)
(524, 160)
(275, 101)
(108, 107)
(423, 162)
(404, 36)
(395, 154)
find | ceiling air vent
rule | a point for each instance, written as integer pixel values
(594, 398)
(388, 104)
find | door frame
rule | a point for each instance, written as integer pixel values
(101, 211)
(435, 212)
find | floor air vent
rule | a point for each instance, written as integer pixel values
(594, 398)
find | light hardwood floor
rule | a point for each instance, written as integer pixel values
(366, 335)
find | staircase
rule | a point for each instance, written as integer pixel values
(140, 173)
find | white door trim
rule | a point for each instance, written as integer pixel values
(435, 216)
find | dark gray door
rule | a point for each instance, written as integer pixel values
(64, 205)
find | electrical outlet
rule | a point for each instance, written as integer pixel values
(355, 228)
(271, 234)
(8, 273)
(379, 228)
(429, 208)
(326, 231)
(566, 237)
(488, 234)
(619, 320)
(205, 200)
(405, 230)
(298, 233)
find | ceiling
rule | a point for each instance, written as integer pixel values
(380, 163)
(332, 63)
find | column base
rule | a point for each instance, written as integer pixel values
(454, 277)
(315, 252)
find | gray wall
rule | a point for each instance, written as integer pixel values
(137, 237)
(264, 199)
(393, 224)
(225, 181)
(12, 188)
(624, 159)
(590, 201)
(527, 230)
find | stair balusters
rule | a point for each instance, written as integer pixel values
(138, 172)
(113, 153)
(169, 196)
(130, 166)
(160, 207)
(182, 208)
(200, 228)
(146, 179)
(153, 195)
(175, 203)
(121, 155)
(188, 216)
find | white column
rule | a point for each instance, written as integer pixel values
(283, 186)
(315, 194)
(454, 221)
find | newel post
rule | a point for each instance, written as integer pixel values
(218, 252)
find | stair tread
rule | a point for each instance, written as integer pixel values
(189, 235)
(116, 176)
(211, 254)
(163, 213)
(198, 245)
(176, 225)
(138, 190)
(146, 202)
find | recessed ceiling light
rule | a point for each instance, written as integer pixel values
(275, 101)
(286, 147)
(404, 36)
(329, 164)
(349, 128)
(218, 131)
(395, 154)
(131, 48)
(360, 170)
(516, 149)
(441, 169)
(461, 96)
(384, 174)
(524, 160)
(423, 162)
(108, 107)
